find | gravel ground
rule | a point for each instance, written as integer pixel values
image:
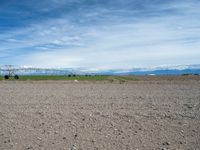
(60, 115)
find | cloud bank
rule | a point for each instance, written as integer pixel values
(101, 34)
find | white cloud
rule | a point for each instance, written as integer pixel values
(122, 43)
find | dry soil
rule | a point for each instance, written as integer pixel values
(138, 115)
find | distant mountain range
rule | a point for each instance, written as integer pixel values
(157, 70)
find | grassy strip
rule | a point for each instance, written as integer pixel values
(59, 77)
(79, 78)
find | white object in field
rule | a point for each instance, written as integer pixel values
(75, 80)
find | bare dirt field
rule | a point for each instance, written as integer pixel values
(154, 113)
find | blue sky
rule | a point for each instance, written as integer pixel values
(99, 34)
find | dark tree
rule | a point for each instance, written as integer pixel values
(6, 77)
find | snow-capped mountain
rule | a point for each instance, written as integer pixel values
(157, 70)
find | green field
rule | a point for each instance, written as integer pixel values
(79, 78)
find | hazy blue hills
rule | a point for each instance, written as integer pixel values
(159, 70)
(165, 72)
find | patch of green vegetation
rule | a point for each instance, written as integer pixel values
(1, 78)
(76, 77)
(59, 77)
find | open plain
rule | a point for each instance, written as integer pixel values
(152, 113)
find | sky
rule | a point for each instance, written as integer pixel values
(99, 34)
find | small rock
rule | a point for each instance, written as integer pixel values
(39, 138)
(165, 143)
(73, 147)
(182, 131)
(29, 147)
